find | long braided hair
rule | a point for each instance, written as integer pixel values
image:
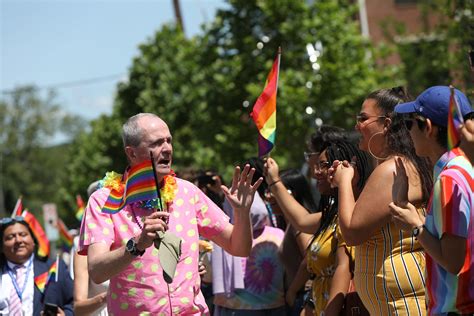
(339, 145)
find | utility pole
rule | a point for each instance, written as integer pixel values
(178, 16)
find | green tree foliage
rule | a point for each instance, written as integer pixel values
(29, 165)
(438, 55)
(205, 87)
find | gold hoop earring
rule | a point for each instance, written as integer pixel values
(370, 151)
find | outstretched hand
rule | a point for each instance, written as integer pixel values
(400, 184)
(241, 193)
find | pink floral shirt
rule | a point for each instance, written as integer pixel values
(140, 289)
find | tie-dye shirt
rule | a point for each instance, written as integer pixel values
(451, 210)
(263, 276)
(140, 288)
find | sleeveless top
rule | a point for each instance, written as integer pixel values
(389, 273)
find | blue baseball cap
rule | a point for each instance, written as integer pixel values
(433, 104)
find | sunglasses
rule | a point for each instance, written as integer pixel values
(362, 118)
(419, 120)
(8, 220)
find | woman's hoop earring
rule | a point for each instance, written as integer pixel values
(370, 151)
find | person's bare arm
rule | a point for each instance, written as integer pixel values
(449, 251)
(83, 305)
(339, 284)
(294, 212)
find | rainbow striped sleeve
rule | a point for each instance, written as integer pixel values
(264, 111)
(140, 185)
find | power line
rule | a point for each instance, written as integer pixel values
(75, 83)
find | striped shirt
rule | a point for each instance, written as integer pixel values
(451, 210)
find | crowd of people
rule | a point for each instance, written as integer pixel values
(393, 227)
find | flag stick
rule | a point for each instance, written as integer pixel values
(156, 180)
(461, 119)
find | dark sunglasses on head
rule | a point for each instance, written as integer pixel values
(8, 220)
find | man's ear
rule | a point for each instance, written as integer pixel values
(130, 152)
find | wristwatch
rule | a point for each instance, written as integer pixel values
(417, 230)
(131, 248)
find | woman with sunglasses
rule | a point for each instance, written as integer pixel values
(389, 263)
(20, 264)
(328, 257)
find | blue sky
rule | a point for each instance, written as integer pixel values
(47, 43)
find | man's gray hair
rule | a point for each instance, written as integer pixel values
(131, 132)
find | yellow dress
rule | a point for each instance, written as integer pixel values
(321, 262)
(389, 273)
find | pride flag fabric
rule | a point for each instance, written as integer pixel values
(43, 242)
(454, 120)
(18, 208)
(65, 239)
(80, 207)
(42, 280)
(139, 186)
(264, 111)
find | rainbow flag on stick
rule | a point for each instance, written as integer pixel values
(42, 280)
(65, 239)
(18, 208)
(139, 186)
(454, 120)
(80, 207)
(43, 242)
(264, 110)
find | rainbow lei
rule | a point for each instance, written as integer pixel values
(168, 190)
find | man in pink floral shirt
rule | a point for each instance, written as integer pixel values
(119, 246)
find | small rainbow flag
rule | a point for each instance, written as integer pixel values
(454, 120)
(18, 208)
(42, 280)
(43, 242)
(264, 110)
(139, 186)
(80, 207)
(65, 239)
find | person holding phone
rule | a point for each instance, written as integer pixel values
(20, 265)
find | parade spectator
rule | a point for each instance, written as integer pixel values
(293, 248)
(261, 289)
(447, 233)
(389, 264)
(119, 245)
(21, 293)
(89, 297)
(328, 257)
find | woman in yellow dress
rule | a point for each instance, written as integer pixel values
(389, 263)
(328, 257)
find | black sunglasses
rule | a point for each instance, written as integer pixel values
(419, 120)
(8, 220)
